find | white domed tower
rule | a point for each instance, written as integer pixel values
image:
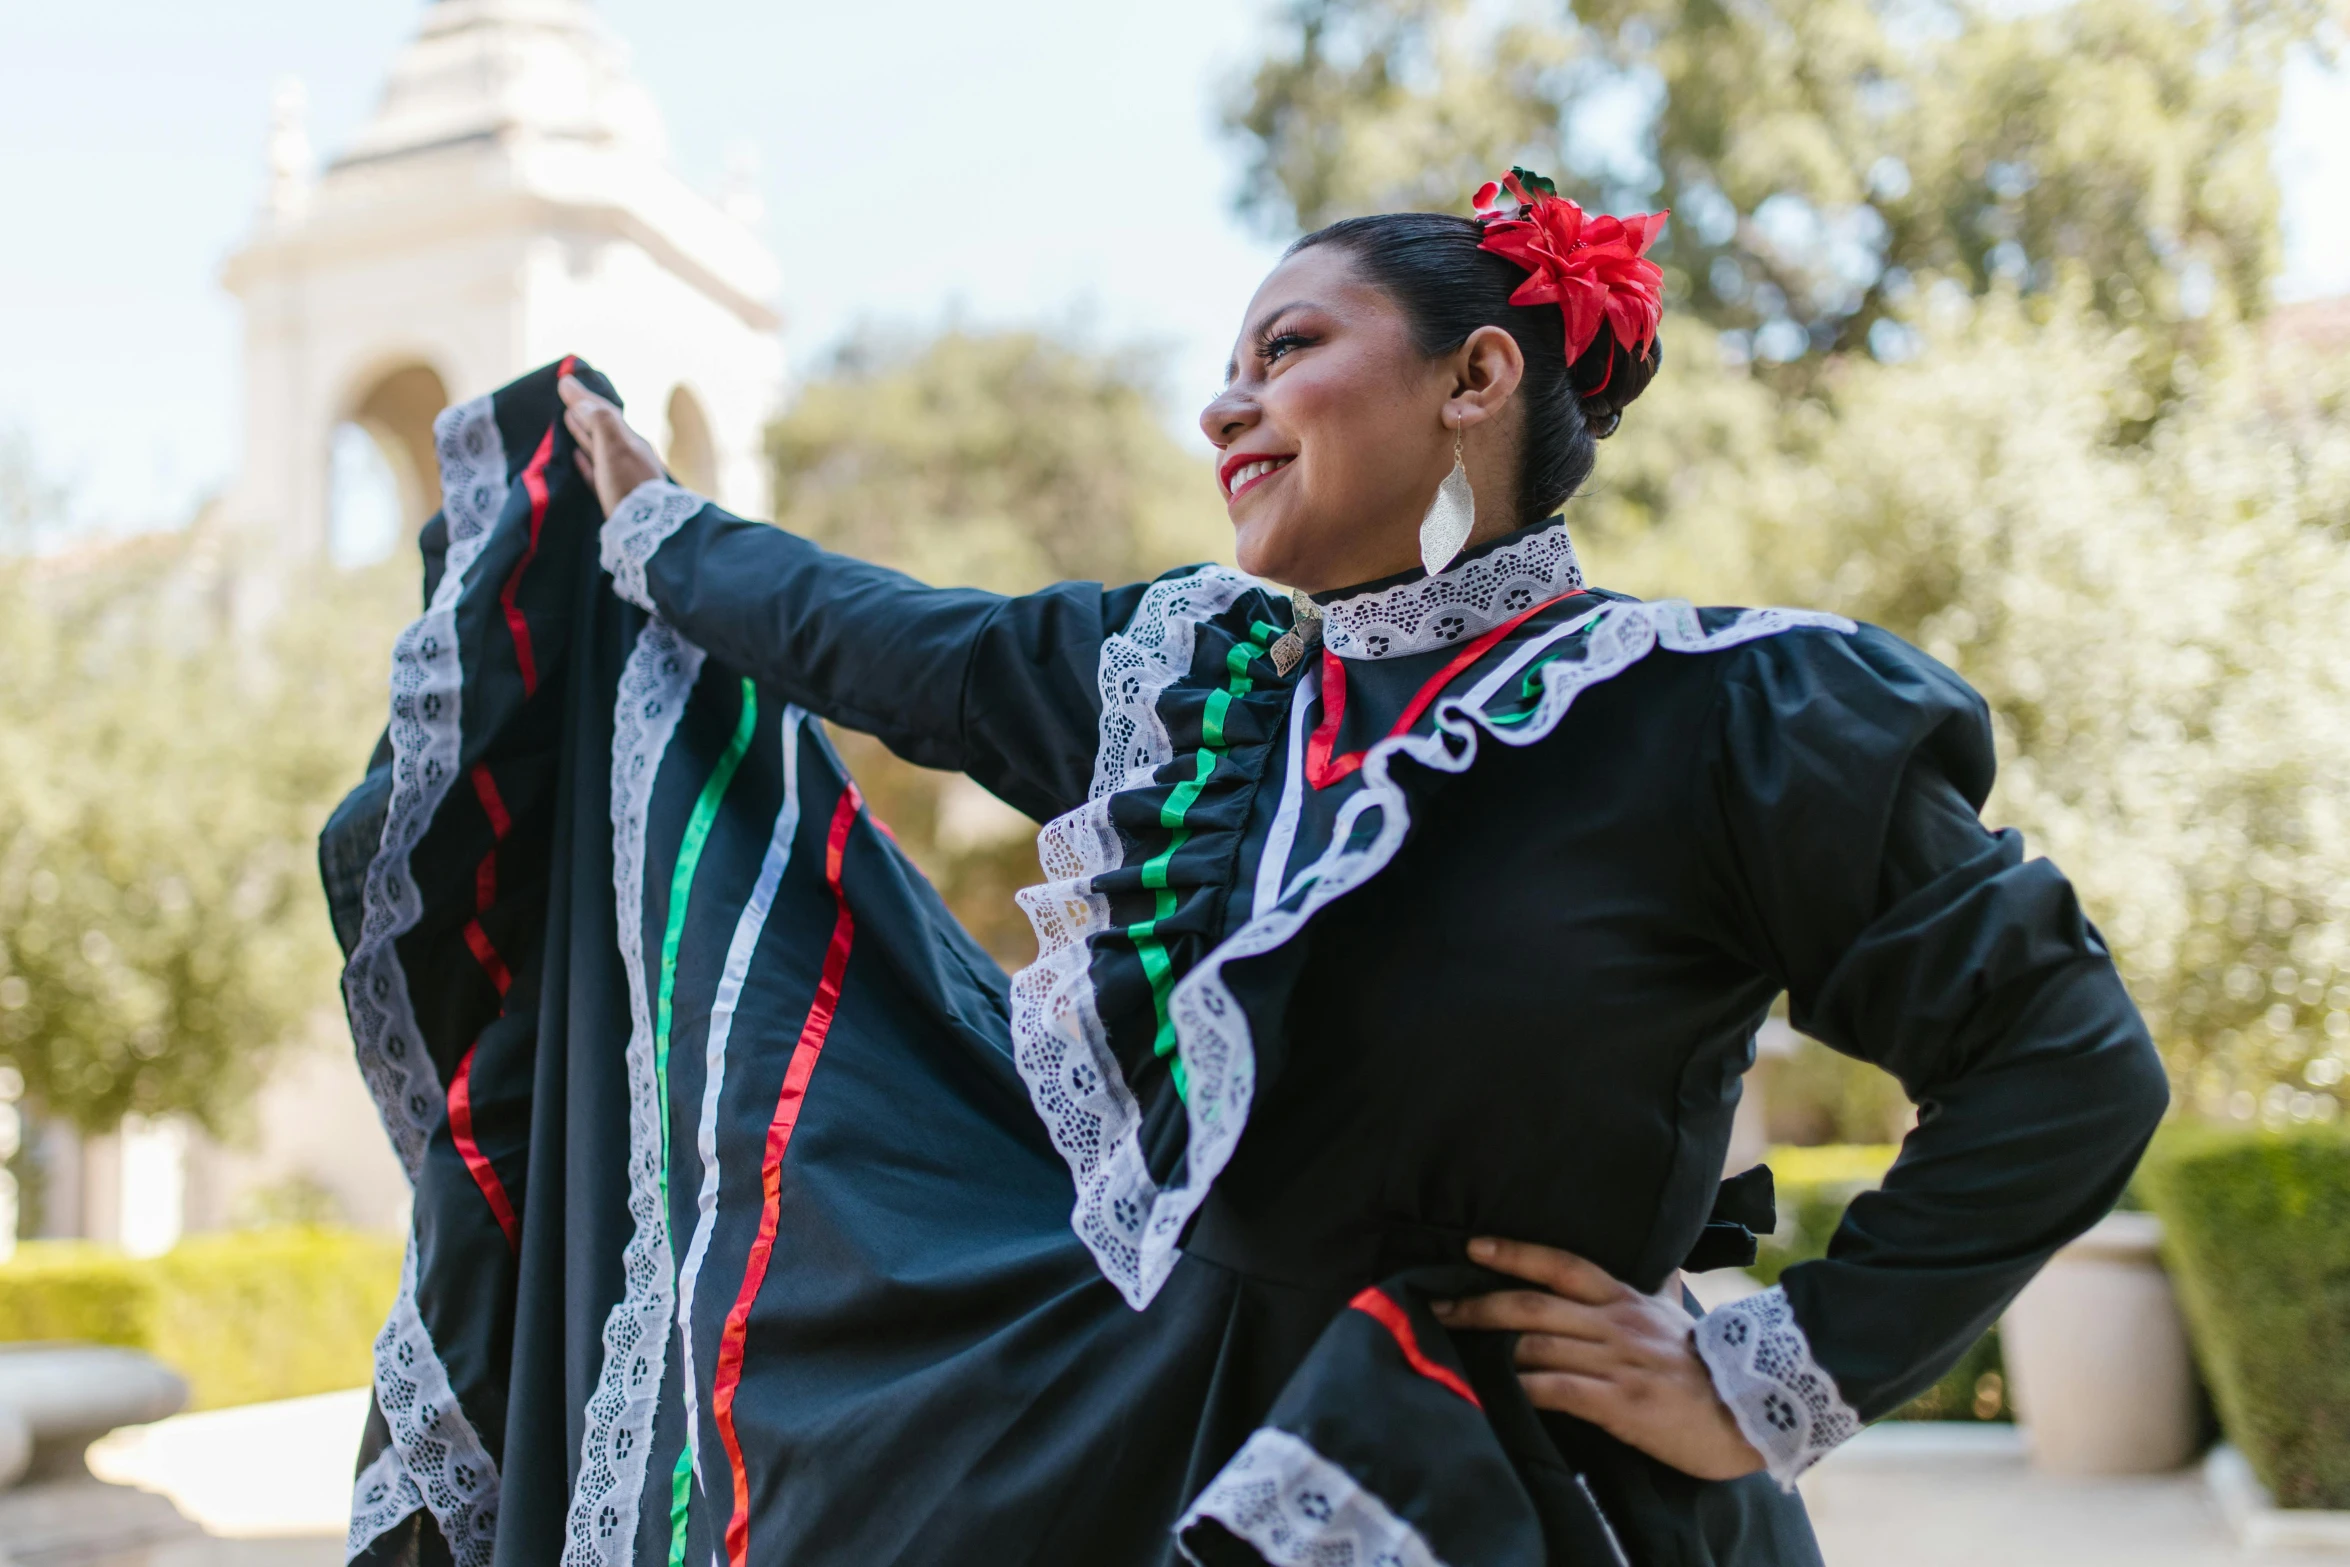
(510, 202)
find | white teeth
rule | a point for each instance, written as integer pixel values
(1247, 471)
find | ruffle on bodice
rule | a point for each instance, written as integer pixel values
(1137, 885)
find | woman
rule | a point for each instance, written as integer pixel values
(1437, 906)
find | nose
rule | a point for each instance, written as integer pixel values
(1229, 415)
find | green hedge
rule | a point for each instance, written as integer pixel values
(248, 1316)
(1814, 1185)
(2257, 1233)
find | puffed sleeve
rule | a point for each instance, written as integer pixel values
(1845, 779)
(1002, 688)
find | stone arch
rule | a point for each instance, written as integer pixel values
(691, 452)
(396, 405)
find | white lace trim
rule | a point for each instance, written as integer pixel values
(1463, 601)
(384, 1494)
(425, 736)
(436, 1459)
(1058, 1042)
(747, 929)
(1131, 1223)
(617, 1442)
(1784, 1403)
(1296, 1508)
(441, 1458)
(1281, 838)
(639, 526)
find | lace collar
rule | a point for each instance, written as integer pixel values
(1415, 613)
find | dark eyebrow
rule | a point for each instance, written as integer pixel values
(1265, 322)
(1264, 328)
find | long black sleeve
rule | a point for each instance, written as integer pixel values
(1849, 773)
(1002, 688)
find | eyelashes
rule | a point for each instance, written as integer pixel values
(1281, 345)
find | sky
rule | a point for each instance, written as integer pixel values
(1067, 151)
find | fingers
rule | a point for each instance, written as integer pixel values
(1598, 1359)
(1524, 1311)
(589, 418)
(1561, 1272)
(1587, 1398)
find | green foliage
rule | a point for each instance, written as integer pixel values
(2066, 465)
(162, 778)
(246, 1317)
(1814, 1185)
(1002, 461)
(2257, 1234)
(1816, 1096)
(1825, 159)
(2160, 626)
(70, 1290)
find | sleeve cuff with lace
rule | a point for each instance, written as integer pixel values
(1784, 1403)
(640, 525)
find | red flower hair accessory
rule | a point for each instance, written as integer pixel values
(1593, 268)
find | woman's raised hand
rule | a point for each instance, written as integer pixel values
(613, 457)
(1592, 1346)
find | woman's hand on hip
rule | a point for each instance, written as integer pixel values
(613, 457)
(1593, 1347)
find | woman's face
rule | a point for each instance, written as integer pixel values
(1333, 431)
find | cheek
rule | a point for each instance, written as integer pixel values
(1340, 431)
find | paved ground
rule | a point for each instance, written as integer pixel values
(1928, 1496)
(270, 1484)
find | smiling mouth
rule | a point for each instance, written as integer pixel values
(1248, 475)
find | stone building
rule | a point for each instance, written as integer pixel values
(510, 201)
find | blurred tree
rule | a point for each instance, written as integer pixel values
(1824, 159)
(1005, 461)
(2161, 628)
(2006, 256)
(161, 929)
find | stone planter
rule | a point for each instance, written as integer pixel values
(63, 1397)
(2260, 1524)
(2097, 1360)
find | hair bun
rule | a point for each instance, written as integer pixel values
(1608, 377)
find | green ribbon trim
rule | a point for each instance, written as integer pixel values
(1157, 966)
(680, 1488)
(681, 888)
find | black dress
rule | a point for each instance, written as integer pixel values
(761, 1218)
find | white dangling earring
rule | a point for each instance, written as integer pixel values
(1451, 516)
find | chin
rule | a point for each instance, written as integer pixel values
(1255, 547)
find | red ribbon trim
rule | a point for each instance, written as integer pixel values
(1382, 1309)
(485, 893)
(779, 1132)
(1322, 769)
(485, 881)
(485, 1175)
(534, 481)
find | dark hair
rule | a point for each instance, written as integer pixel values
(1429, 264)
